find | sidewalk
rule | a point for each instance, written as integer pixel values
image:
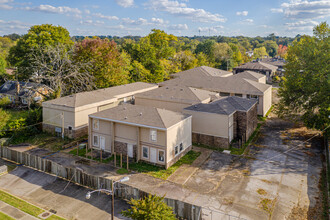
(181, 175)
(14, 212)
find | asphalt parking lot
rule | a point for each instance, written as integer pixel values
(67, 199)
(278, 180)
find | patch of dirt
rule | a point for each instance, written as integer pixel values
(228, 200)
(298, 213)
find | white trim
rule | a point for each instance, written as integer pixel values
(129, 123)
(98, 141)
(148, 152)
(98, 124)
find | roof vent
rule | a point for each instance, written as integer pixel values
(126, 117)
(166, 87)
(195, 106)
(181, 89)
(124, 108)
(140, 113)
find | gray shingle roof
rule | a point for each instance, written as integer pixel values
(181, 94)
(26, 88)
(250, 75)
(204, 71)
(257, 66)
(86, 98)
(224, 106)
(141, 115)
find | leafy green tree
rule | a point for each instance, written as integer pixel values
(38, 36)
(139, 73)
(185, 60)
(259, 52)
(151, 207)
(4, 102)
(271, 47)
(207, 47)
(3, 65)
(306, 87)
(107, 64)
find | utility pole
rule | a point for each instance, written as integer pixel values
(62, 125)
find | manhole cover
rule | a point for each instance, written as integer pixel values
(45, 215)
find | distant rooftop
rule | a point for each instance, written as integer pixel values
(86, 98)
(250, 75)
(224, 106)
(182, 94)
(26, 88)
(257, 66)
(141, 115)
(204, 71)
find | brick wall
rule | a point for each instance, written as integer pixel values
(210, 140)
(121, 147)
(71, 134)
(245, 123)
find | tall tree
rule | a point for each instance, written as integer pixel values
(54, 67)
(38, 36)
(271, 47)
(259, 52)
(107, 64)
(307, 86)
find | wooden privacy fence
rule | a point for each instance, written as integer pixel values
(181, 209)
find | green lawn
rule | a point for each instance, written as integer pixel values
(160, 172)
(23, 205)
(3, 216)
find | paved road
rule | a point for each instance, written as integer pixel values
(273, 183)
(48, 192)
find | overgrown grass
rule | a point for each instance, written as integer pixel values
(55, 217)
(270, 110)
(44, 140)
(3, 216)
(23, 205)
(81, 152)
(160, 172)
(240, 151)
(122, 171)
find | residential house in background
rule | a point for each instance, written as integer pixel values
(251, 75)
(231, 85)
(24, 93)
(174, 98)
(145, 133)
(257, 66)
(219, 122)
(70, 113)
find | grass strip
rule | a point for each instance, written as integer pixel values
(3, 216)
(20, 204)
(24, 206)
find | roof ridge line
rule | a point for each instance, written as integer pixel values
(157, 109)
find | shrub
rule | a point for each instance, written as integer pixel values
(151, 207)
(4, 102)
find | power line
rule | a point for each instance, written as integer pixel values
(30, 125)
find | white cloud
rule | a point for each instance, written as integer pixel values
(248, 20)
(4, 4)
(125, 3)
(181, 9)
(14, 25)
(158, 21)
(306, 25)
(243, 13)
(214, 29)
(276, 10)
(139, 21)
(56, 10)
(178, 27)
(299, 9)
(91, 22)
(99, 15)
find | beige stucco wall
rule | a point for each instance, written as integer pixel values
(81, 117)
(209, 123)
(266, 101)
(145, 137)
(179, 133)
(262, 80)
(53, 117)
(162, 104)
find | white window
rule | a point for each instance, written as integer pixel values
(95, 140)
(161, 156)
(145, 152)
(176, 150)
(153, 135)
(181, 147)
(96, 124)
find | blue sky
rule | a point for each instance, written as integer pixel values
(179, 17)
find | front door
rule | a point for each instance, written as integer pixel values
(130, 150)
(153, 155)
(102, 143)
